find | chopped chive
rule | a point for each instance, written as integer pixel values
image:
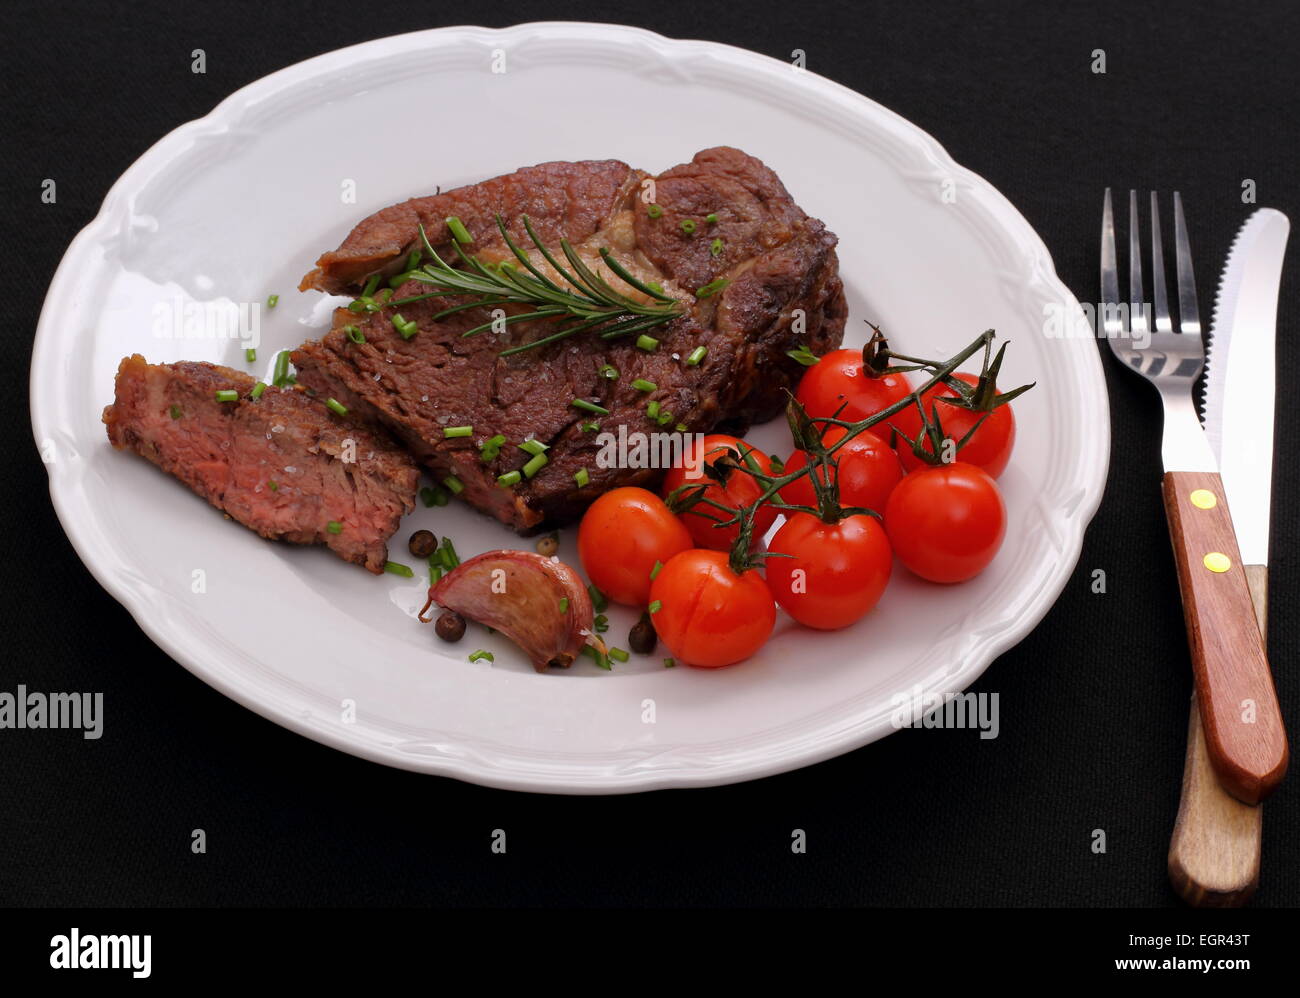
(227, 395)
(280, 374)
(489, 449)
(618, 655)
(564, 604)
(258, 388)
(711, 218)
(680, 427)
(535, 464)
(647, 342)
(397, 280)
(655, 571)
(601, 623)
(457, 431)
(427, 496)
(665, 418)
(586, 406)
(533, 446)
(370, 287)
(687, 225)
(454, 484)
(608, 371)
(508, 479)
(654, 211)
(355, 334)
(695, 356)
(413, 258)
(669, 663)
(582, 478)
(447, 551)
(272, 301)
(383, 296)
(803, 355)
(656, 606)
(175, 411)
(712, 288)
(715, 247)
(334, 527)
(397, 568)
(596, 656)
(590, 427)
(250, 355)
(652, 410)
(405, 327)
(458, 231)
(641, 385)
(336, 406)
(655, 286)
(435, 570)
(598, 601)
(275, 486)
(480, 655)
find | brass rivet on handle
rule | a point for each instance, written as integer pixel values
(1217, 561)
(1203, 499)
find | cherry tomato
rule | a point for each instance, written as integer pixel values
(946, 522)
(621, 536)
(741, 490)
(866, 469)
(837, 571)
(708, 615)
(837, 379)
(990, 447)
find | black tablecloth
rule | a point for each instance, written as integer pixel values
(1093, 703)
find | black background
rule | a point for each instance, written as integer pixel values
(1093, 703)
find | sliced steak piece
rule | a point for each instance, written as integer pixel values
(283, 464)
(782, 291)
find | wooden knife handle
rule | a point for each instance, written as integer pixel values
(1214, 853)
(1239, 712)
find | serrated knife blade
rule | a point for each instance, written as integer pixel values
(1240, 376)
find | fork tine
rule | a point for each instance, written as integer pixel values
(1137, 316)
(1158, 289)
(1109, 273)
(1189, 314)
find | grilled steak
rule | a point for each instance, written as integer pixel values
(283, 464)
(782, 291)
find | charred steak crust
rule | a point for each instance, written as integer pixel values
(325, 468)
(783, 290)
(567, 200)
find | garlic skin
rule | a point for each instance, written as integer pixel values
(520, 594)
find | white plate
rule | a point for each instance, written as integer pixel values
(238, 205)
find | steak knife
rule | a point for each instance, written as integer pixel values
(1214, 853)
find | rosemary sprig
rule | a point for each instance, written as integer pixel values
(590, 299)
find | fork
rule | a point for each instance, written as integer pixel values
(1239, 711)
